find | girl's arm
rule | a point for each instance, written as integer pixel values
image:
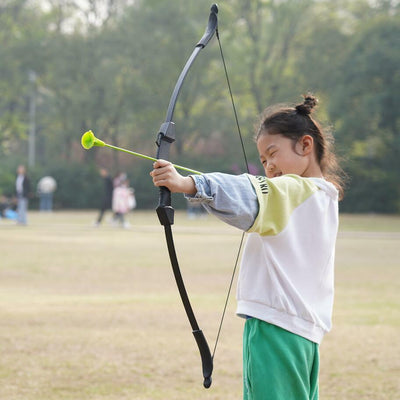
(231, 198)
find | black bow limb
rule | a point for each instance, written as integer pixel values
(165, 211)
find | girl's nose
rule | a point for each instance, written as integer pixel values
(269, 170)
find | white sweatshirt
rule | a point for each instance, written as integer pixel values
(287, 270)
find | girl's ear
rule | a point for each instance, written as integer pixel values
(306, 144)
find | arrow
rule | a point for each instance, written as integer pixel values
(89, 140)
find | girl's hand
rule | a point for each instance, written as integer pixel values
(164, 174)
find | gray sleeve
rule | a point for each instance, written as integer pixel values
(231, 198)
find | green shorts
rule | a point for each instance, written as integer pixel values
(277, 364)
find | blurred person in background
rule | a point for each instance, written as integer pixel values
(123, 199)
(106, 202)
(23, 191)
(7, 208)
(45, 189)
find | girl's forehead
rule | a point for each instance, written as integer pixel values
(267, 140)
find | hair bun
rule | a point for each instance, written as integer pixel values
(308, 104)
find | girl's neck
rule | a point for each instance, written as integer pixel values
(313, 170)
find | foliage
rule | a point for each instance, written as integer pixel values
(365, 106)
(111, 67)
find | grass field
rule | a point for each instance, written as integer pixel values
(94, 313)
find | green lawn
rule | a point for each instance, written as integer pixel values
(94, 313)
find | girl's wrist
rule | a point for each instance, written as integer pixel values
(188, 186)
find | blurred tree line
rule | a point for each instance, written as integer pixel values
(110, 65)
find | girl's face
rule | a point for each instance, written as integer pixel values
(280, 155)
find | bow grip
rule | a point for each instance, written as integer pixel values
(165, 137)
(206, 358)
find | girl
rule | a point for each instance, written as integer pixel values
(122, 199)
(285, 284)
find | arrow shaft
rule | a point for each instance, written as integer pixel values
(180, 167)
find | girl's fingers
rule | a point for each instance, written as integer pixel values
(161, 164)
(159, 167)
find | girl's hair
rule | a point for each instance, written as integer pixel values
(294, 123)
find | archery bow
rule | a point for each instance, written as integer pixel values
(165, 211)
